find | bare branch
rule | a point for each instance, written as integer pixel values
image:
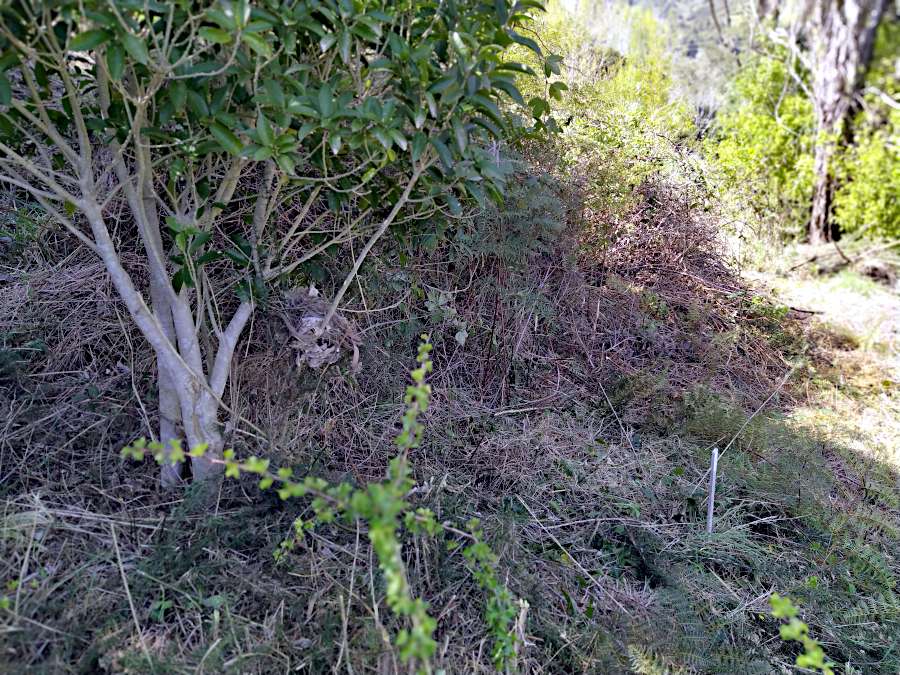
(385, 224)
(227, 342)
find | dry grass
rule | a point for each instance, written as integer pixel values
(575, 422)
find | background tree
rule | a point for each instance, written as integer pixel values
(228, 143)
(843, 37)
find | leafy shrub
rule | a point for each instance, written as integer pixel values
(618, 120)
(867, 203)
(763, 144)
(765, 136)
(242, 140)
(869, 172)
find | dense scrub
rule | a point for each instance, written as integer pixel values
(574, 420)
(764, 138)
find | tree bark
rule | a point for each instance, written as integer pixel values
(843, 34)
(169, 412)
(170, 475)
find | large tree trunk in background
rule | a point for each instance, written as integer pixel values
(843, 35)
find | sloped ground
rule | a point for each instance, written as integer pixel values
(602, 360)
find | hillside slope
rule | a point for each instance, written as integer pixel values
(601, 364)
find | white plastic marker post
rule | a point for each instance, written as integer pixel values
(712, 490)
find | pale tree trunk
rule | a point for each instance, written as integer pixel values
(843, 34)
(190, 387)
(169, 413)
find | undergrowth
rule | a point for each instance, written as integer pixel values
(539, 504)
(563, 458)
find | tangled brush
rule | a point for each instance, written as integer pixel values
(303, 311)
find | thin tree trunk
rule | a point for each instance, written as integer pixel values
(203, 429)
(715, 18)
(169, 411)
(819, 222)
(844, 33)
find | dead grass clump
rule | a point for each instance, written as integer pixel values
(664, 300)
(77, 375)
(582, 372)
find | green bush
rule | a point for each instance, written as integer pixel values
(763, 145)
(869, 172)
(618, 121)
(867, 203)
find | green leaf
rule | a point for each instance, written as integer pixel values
(264, 130)
(432, 104)
(225, 20)
(345, 46)
(327, 42)
(489, 107)
(462, 138)
(385, 140)
(199, 241)
(782, 608)
(398, 138)
(262, 153)
(556, 90)
(516, 68)
(326, 106)
(208, 257)
(5, 90)
(286, 163)
(215, 35)
(551, 65)
(88, 40)
(418, 145)
(524, 41)
(275, 94)
(182, 278)
(458, 44)
(173, 224)
(538, 106)
(8, 60)
(197, 104)
(443, 152)
(442, 84)
(136, 48)
(115, 61)
(453, 204)
(491, 128)
(476, 192)
(178, 95)
(227, 139)
(258, 45)
(305, 130)
(510, 89)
